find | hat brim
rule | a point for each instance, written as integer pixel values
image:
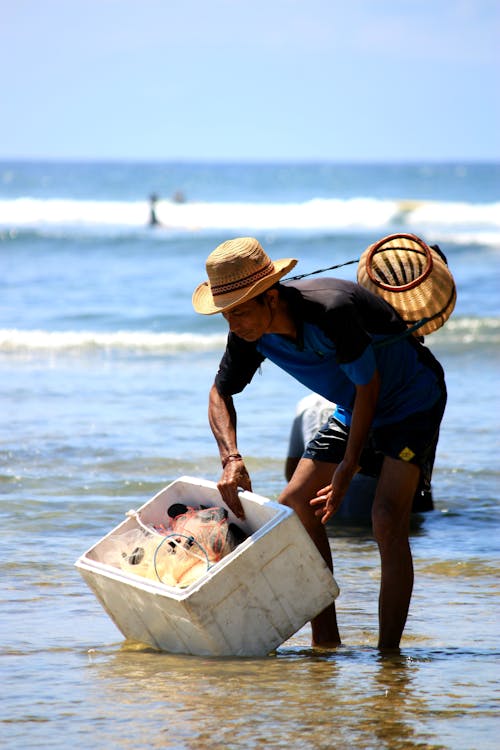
(204, 302)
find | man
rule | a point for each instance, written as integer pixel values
(329, 334)
(153, 219)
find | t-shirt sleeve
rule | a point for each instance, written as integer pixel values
(237, 366)
(355, 354)
(344, 325)
(362, 369)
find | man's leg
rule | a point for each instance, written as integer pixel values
(309, 477)
(391, 522)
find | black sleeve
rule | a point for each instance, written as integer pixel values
(344, 326)
(237, 366)
(341, 310)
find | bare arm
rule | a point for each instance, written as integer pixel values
(329, 498)
(222, 419)
(291, 464)
(363, 412)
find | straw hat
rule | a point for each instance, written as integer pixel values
(238, 270)
(413, 277)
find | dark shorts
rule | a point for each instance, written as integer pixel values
(413, 440)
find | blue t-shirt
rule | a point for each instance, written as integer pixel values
(341, 330)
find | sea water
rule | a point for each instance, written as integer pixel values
(104, 376)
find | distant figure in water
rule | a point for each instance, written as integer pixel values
(153, 219)
(178, 197)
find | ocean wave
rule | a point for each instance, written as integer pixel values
(468, 331)
(463, 331)
(20, 341)
(467, 222)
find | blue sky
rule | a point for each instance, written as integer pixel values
(380, 80)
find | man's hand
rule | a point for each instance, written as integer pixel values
(234, 476)
(329, 498)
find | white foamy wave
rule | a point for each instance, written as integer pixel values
(465, 223)
(14, 340)
(317, 214)
(462, 331)
(30, 212)
(468, 331)
(476, 222)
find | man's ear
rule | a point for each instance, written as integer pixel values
(272, 297)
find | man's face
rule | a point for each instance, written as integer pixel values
(250, 320)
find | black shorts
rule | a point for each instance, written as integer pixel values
(413, 439)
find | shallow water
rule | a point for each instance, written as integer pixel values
(104, 374)
(73, 680)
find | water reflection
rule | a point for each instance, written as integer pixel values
(298, 697)
(396, 705)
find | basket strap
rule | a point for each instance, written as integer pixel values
(321, 270)
(403, 334)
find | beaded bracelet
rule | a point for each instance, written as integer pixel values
(231, 457)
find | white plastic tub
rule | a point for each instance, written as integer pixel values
(247, 604)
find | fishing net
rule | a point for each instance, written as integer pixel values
(179, 551)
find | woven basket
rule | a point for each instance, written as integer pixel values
(412, 277)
